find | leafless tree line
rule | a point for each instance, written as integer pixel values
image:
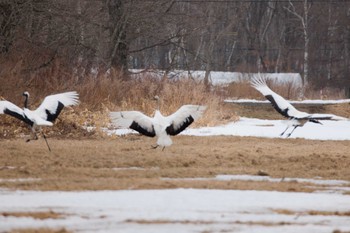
(304, 36)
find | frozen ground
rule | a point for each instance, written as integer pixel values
(179, 210)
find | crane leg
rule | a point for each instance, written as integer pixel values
(292, 130)
(284, 131)
(154, 147)
(33, 135)
(46, 141)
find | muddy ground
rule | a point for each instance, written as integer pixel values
(129, 162)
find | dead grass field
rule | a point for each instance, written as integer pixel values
(130, 163)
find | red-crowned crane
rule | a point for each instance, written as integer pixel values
(161, 126)
(44, 115)
(282, 106)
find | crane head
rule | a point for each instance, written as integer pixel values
(156, 98)
(26, 94)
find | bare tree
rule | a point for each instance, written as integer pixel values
(304, 16)
(208, 35)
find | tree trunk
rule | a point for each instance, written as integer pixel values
(118, 17)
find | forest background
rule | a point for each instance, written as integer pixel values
(48, 45)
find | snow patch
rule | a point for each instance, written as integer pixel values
(179, 210)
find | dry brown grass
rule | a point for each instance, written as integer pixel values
(107, 164)
(101, 94)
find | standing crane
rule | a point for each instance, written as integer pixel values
(161, 126)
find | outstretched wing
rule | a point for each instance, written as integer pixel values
(278, 102)
(11, 109)
(184, 117)
(52, 105)
(134, 120)
(332, 117)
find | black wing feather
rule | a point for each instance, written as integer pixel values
(135, 126)
(172, 131)
(52, 117)
(283, 112)
(18, 116)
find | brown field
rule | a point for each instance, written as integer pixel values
(129, 162)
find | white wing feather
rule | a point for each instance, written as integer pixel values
(124, 119)
(12, 107)
(178, 117)
(280, 103)
(50, 102)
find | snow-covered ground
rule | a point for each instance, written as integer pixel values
(179, 210)
(197, 210)
(329, 130)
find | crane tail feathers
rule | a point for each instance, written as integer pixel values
(164, 140)
(258, 82)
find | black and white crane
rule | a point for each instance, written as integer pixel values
(282, 106)
(161, 126)
(44, 115)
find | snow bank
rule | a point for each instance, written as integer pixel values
(224, 78)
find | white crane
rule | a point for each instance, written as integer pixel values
(44, 115)
(161, 126)
(296, 117)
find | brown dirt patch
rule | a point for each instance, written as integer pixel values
(313, 212)
(36, 215)
(189, 222)
(40, 230)
(129, 163)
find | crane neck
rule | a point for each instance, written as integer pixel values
(158, 104)
(26, 101)
(158, 115)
